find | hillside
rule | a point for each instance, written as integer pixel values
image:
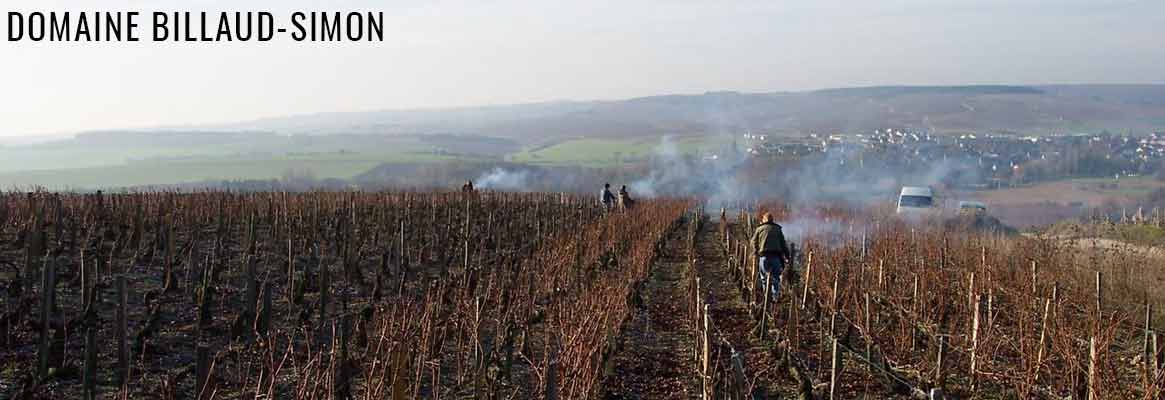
(1024, 109)
(595, 133)
(130, 158)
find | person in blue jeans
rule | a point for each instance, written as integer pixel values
(772, 251)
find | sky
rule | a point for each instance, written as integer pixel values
(468, 53)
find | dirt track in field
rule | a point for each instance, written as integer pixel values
(731, 315)
(655, 360)
(656, 354)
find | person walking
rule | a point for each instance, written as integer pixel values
(771, 250)
(606, 198)
(625, 201)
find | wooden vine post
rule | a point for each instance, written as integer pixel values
(325, 293)
(168, 284)
(1092, 372)
(264, 321)
(5, 330)
(35, 248)
(1043, 338)
(1099, 297)
(47, 300)
(808, 276)
(1035, 279)
(252, 287)
(120, 327)
(698, 318)
(834, 371)
(833, 306)
(290, 289)
(971, 298)
(1156, 353)
(940, 373)
(869, 331)
(1145, 349)
(762, 330)
(89, 374)
(914, 308)
(706, 364)
(975, 342)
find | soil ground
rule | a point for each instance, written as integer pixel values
(655, 361)
(733, 320)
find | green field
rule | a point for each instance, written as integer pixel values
(157, 172)
(610, 152)
(73, 166)
(74, 156)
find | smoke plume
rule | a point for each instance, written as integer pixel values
(504, 180)
(711, 177)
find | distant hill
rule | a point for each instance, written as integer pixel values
(1024, 109)
(349, 144)
(969, 90)
(266, 141)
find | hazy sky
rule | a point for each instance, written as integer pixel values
(460, 53)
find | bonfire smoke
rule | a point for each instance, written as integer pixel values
(855, 178)
(673, 173)
(504, 180)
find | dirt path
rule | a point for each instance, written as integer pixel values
(655, 359)
(731, 315)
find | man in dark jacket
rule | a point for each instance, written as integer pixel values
(769, 243)
(606, 198)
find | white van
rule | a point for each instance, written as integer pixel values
(915, 200)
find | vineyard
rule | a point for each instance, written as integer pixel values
(404, 295)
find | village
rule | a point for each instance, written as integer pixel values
(997, 159)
